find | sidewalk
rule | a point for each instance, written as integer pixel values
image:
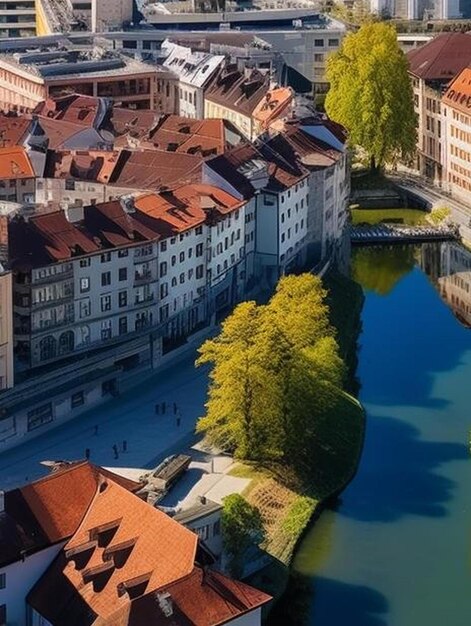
(130, 417)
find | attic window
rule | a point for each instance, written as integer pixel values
(119, 553)
(184, 129)
(172, 147)
(99, 575)
(81, 554)
(205, 68)
(134, 587)
(104, 533)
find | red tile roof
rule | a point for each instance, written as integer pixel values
(186, 207)
(442, 57)
(75, 108)
(275, 103)
(13, 129)
(458, 94)
(129, 564)
(154, 169)
(50, 510)
(15, 163)
(81, 164)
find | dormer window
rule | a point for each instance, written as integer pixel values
(104, 534)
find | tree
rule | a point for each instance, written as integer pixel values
(242, 527)
(275, 370)
(371, 93)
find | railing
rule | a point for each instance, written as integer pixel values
(393, 233)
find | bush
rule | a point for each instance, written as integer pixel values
(242, 527)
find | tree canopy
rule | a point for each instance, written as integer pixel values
(371, 93)
(275, 370)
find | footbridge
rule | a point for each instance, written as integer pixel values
(400, 234)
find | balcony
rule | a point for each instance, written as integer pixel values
(35, 306)
(54, 278)
(142, 277)
(145, 300)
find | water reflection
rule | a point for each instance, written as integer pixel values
(449, 267)
(378, 269)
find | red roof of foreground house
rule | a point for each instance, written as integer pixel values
(75, 108)
(275, 103)
(129, 564)
(15, 163)
(186, 206)
(13, 129)
(235, 90)
(458, 94)
(442, 57)
(51, 509)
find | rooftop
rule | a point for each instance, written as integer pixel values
(49, 510)
(236, 90)
(275, 103)
(15, 163)
(194, 68)
(129, 564)
(458, 94)
(442, 57)
(13, 129)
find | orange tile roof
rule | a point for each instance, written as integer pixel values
(458, 94)
(186, 206)
(13, 129)
(50, 509)
(15, 163)
(275, 103)
(131, 543)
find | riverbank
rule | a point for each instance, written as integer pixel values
(288, 505)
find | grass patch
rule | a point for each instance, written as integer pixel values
(411, 217)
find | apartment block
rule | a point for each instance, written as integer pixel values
(17, 18)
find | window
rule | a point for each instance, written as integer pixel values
(199, 230)
(123, 298)
(182, 257)
(318, 58)
(105, 303)
(199, 249)
(217, 528)
(163, 246)
(123, 273)
(84, 262)
(182, 278)
(203, 532)
(333, 43)
(163, 269)
(123, 253)
(123, 325)
(199, 271)
(84, 285)
(85, 308)
(174, 282)
(163, 290)
(268, 200)
(105, 279)
(39, 416)
(106, 257)
(319, 43)
(282, 237)
(3, 580)
(174, 260)
(3, 614)
(70, 185)
(163, 313)
(106, 330)
(77, 399)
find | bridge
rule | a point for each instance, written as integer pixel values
(400, 234)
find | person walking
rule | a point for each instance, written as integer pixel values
(115, 450)
(164, 407)
(87, 453)
(125, 445)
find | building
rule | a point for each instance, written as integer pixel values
(17, 176)
(246, 99)
(111, 14)
(6, 323)
(456, 124)
(454, 280)
(431, 67)
(32, 71)
(18, 19)
(80, 545)
(194, 70)
(36, 520)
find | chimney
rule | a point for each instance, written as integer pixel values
(165, 603)
(2, 501)
(74, 213)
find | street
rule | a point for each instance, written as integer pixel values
(129, 418)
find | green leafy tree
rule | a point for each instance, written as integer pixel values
(371, 93)
(242, 527)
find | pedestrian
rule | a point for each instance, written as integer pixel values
(95, 430)
(157, 409)
(174, 408)
(179, 419)
(87, 453)
(115, 450)
(164, 407)
(125, 446)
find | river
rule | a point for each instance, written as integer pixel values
(396, 551)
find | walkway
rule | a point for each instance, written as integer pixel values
(398, 234)
(130, 417)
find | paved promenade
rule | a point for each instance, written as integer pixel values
(130, 417)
